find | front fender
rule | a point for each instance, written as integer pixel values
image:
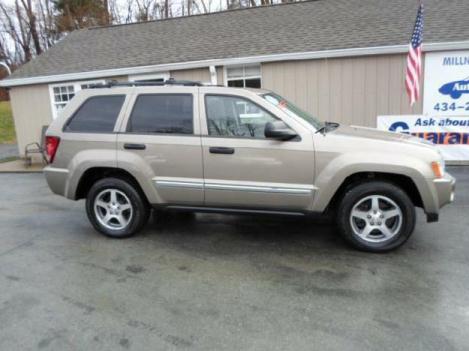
(329, 180)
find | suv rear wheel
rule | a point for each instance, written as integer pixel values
(376, 216)
(115, 208)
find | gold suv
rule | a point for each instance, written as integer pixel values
(128, 148)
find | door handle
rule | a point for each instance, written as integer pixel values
(221, 150)
(135, 146)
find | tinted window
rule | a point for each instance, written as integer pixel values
(232, 116)
(97, 115)
(162, 113)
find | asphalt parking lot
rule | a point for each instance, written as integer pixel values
(213, 282)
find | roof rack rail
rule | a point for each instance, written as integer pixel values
(171, 81)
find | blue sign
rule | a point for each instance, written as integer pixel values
(399, 126)
(450, 134)
(455, 89)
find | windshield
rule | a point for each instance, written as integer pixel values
(292, 110)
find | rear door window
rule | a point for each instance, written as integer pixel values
(162, 114)
(98, 114)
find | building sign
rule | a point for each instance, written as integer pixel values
(446, 91)
(445, 122)
(449, 133)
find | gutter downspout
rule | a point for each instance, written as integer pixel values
(213, 75)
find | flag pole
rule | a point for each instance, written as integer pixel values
(414, 58)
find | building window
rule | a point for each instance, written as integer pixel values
(243, 76)
(62, 93)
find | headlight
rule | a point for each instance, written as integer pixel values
(438, 168)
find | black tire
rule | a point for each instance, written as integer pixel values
(139, 207)
(363, 190)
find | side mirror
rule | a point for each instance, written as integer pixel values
(278, 130)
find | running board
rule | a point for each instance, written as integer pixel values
(231, 210)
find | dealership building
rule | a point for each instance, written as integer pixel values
(342, 60)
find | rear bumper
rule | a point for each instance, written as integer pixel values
(444, 189)
(57, 179)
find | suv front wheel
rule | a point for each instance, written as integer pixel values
(376, 216)
(115, 208)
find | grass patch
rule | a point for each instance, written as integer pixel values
(9, 159)
(7, 126)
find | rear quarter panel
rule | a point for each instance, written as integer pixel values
(78, 152)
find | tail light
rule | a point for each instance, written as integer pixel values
(52, 144)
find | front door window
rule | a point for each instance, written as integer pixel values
(233, 116)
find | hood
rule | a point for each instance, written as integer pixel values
(375, 134)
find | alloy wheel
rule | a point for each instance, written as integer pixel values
(376, 218)
(113, 209)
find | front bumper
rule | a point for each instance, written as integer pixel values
(444, 193)
(445, 189)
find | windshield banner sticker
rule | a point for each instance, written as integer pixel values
(449, 133)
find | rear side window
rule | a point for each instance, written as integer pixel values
(162, 113)
(96, 115)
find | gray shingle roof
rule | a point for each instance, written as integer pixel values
(299, 27)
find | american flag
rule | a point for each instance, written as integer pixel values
(414, 59)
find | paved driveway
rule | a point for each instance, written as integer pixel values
(213, 282)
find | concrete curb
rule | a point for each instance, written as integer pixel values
(18, 166)
(21, 172)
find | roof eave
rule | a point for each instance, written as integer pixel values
(311, 55)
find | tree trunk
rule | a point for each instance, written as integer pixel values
(69, 25)
(25, 37)
(106, 15)
(204, 6)
(32, 25)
